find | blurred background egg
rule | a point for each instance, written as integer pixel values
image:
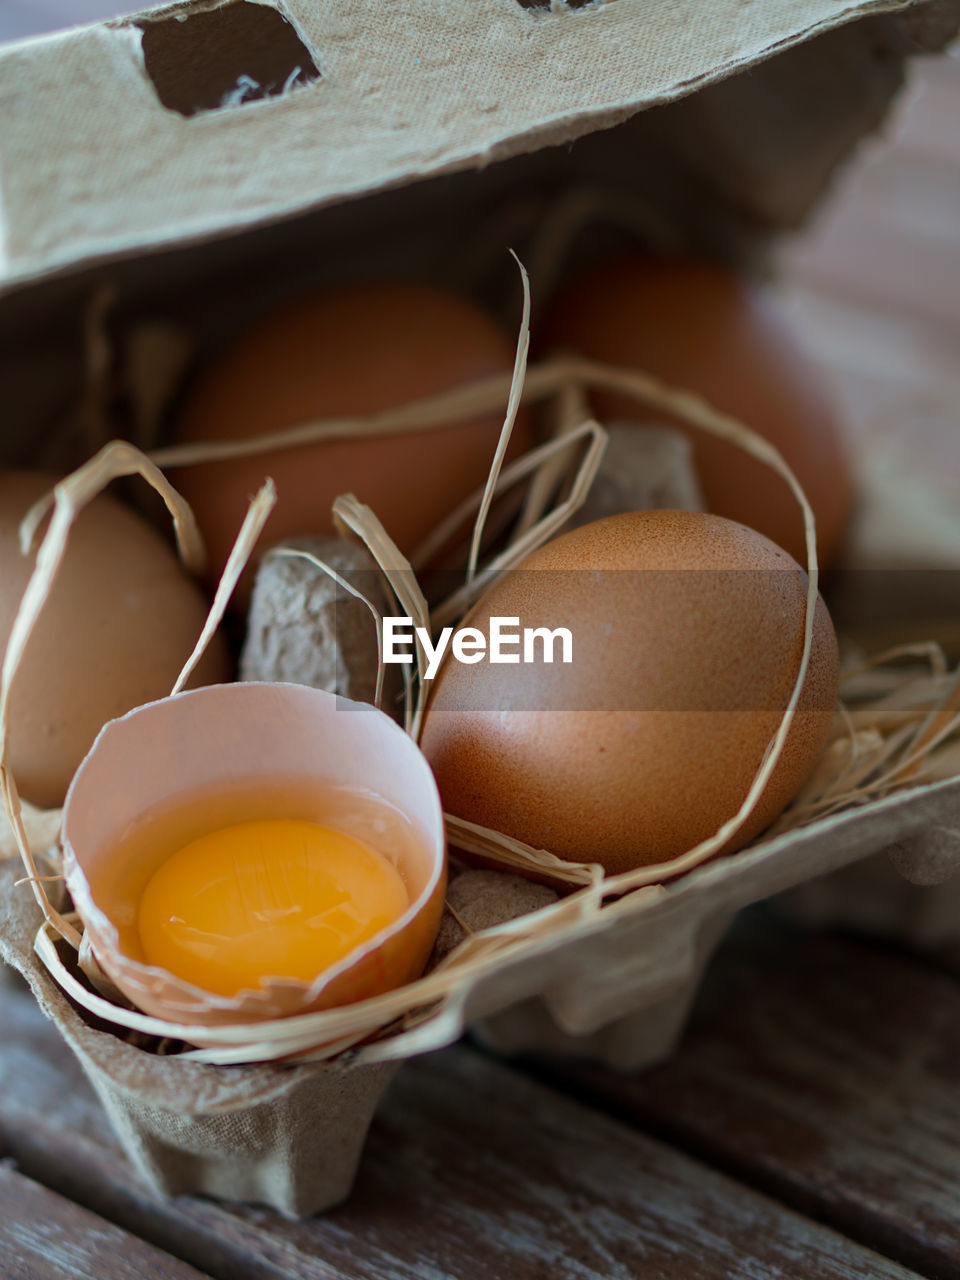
(687, 633)
(121, 620)
(700, 326)
(348, 351)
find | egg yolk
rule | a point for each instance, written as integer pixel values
(267, 899)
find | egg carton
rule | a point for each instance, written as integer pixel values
(616, 988)
(620, 995)
(287, 1136)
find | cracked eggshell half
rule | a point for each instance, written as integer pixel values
(234, 739)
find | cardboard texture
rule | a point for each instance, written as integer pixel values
(302, 627)
(419, 109)
(286, 1136)
(254, 201)
(399, 99)
(623, 997)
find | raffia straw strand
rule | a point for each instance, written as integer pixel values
(297, 553)
(257, 514)
(473, 838)
(327, 1025)
(513, 404)
(117, 459)
(334, 1029)
(11, 801)
(544, 529)
(904, 768)
(485, 396)
(697, 411)
(854, 784)
(359, 519)
(528, 464)
(939, 725)
(928, 649)
(426, 414)
(571, 409)
(448, 906)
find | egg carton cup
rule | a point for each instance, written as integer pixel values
(286, 1136)
(620, 994)
(43, 828)
(908, 892)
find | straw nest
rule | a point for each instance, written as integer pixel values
(898, 725)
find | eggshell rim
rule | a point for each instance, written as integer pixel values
(81, 894)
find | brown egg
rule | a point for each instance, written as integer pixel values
(120, 622)
(700, 326)
(687, 633)
(348, 351)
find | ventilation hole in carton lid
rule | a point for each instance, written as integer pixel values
(224, 57)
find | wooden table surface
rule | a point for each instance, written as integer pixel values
(810, 1125)
(809, 1128)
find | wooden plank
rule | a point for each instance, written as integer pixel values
(827, 1071)
(896, 381)
(866, 287)
(471, 1170)
(45, 1237)
(915, 278)
(928, 121)
(888, 236)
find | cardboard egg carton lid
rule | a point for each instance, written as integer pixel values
(194, 120)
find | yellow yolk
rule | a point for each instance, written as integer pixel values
(269, 899)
